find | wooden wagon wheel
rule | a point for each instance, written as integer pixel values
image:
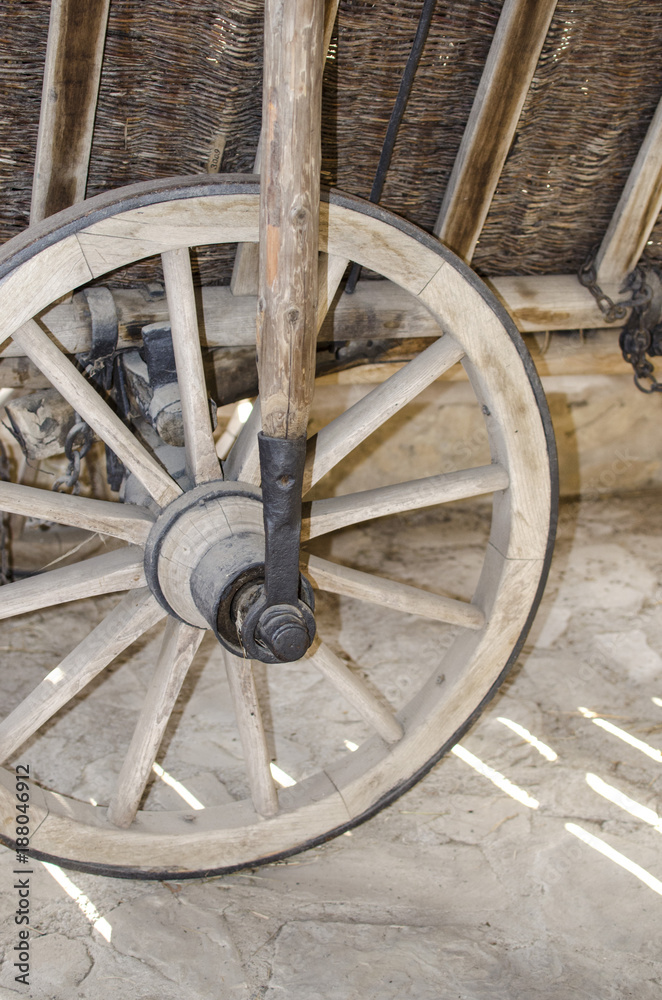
(118, 837)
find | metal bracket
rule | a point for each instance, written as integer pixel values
(276, 622)
(98, 363)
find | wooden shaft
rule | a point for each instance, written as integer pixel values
(289, 213)
(246, 263)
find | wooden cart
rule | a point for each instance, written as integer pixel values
(177, 522)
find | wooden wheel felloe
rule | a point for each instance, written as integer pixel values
(117, 836)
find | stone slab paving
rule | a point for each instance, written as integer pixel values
(458, 891)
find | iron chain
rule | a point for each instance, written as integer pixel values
(78, 443)
(641, 335)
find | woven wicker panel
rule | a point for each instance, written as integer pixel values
(178, 72)
(595, 91)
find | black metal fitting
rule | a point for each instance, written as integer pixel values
(275, 633)
(276, 624)
(228, 584)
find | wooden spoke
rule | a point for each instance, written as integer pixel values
(76, 37)
(329, 275)
(89, 404)
(489, 134)
(120, 520)
(338, 512)
(337, 579)
(135, 614)
(121, 569)
(251, 733)
(180, 644)
(637, 210)
(243, 462)
(344, 433)
(201, 461)
(353, 689)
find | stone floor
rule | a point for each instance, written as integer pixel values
(547, 884)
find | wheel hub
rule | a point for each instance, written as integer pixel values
(204, 562)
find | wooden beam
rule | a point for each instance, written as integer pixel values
(551, 302)
(377, 309)
(490, 130)
(245, 272)
(74, 53)
(636, 212)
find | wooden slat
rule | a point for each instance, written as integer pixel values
(202, 463)
(88, 403)
(338, 579)
(179, 646)
(490, 130)
(338, 512)
(637, 210)
(251, 733)
(244, 279)
(117, 519)
(343, 434)
(121, 569)
(135, 614)
(74, 52)
(356, 692)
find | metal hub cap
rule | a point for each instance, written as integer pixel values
(204, 562)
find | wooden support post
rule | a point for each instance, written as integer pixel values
(76, 37)
(289, 214)
(245, 272)
(636, 212)
(490, 130)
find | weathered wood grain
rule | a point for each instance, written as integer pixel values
(74, 53)
(133, 616)
(202, 463)
(88, 403)
(637, 210)
(121, 520)
(289, 214)
(244, 279)
(179, 646)
(251, 733)
(338, 579)
(490, 130)
(121, 569)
